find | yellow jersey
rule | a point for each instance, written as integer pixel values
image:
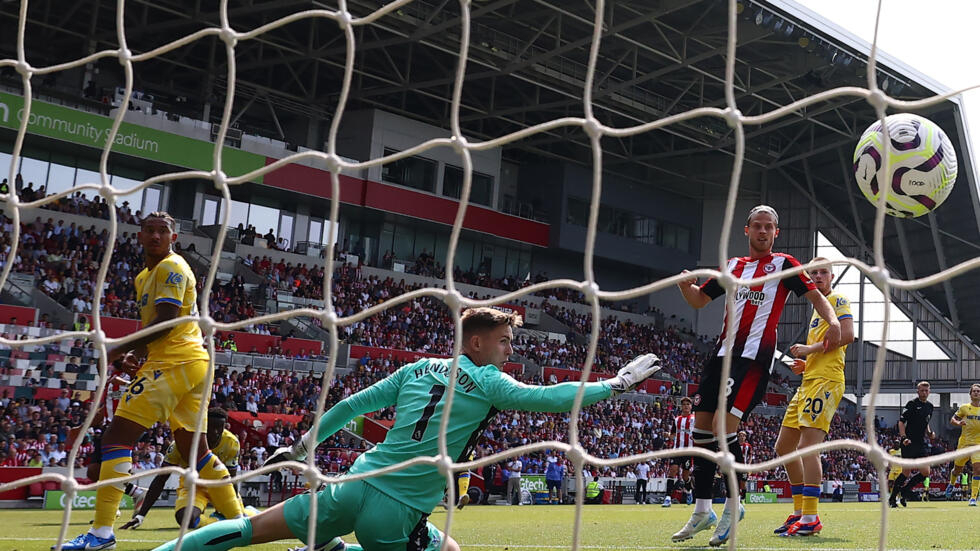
(173, 282)
(895, 470)
(827, 365)
(226, 450)
(970, 434)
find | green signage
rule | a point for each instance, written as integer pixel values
(85, 499)
(533, 483)
(89, 129)
(760, 497)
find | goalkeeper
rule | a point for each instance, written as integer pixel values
(390, 511)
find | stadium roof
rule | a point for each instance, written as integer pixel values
(527, 65)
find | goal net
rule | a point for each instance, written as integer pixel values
(464, 146)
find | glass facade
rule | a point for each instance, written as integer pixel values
(407, 242)
(631, 225)
(59, 172)
(415, 172)
(481, 189)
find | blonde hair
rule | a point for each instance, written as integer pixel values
(762, 208)
(923, 384)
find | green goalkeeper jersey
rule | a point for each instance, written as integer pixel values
(417, 391)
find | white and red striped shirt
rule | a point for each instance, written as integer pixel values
(113, 393)
(757, 308)
(683, 431)
(746, 452)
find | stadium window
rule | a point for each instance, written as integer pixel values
(442, 246)
(481, 189)
(404, 242)
(60, 178)
(264, 219)
(415, 172)
(238, 215)
(286, 228)
(464, 255)
(316, 231)
(135, 200)
(209, 214)
(425, 241)
(5, 159)
(84, 176)
(326, 232)
(578, 212)
(387, 238)
(151, 199)
(34, 171)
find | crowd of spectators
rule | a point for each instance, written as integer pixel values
(35, 432)
(86, 203)
(65, 261)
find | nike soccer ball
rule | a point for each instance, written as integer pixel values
(922, 169)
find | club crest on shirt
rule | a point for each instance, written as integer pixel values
(697, 399)
(769, 268)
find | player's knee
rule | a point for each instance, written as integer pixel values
(451, 544)
(92, 471)
(195, 516)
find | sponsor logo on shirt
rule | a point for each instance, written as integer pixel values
(757, 298)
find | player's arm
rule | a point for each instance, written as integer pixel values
(170, 285)
(380, 395)
(957, 418)
(152, 494)
(832, 338)
(903, 423)
(507, 393)
(698, 297)
(165, 312)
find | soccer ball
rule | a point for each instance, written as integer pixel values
(922, 168)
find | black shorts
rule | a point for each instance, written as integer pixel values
(552, 484)
(96, 450)
(746, 385)
(913, 450)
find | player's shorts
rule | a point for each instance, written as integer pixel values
(814, 404)
(166, 392)
(913, 450)
(552, 484)
(96, 456)
(378, 521)
(685, 463)
(201, 498)
(745, 387)
(975, 457)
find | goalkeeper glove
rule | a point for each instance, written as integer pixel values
(297, 452)
(134, 522)
(634, 373)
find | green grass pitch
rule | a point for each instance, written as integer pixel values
(922, 526)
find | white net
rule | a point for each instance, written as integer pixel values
(595, 130)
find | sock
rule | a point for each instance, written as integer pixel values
(808, 519)
(671, 483)
(975, 487)
(704, 469)
(811, 496)
(897, 486)
(224, 498)
(116, 462)
(463, 483)
(736, 450)
(915, 480)
(797, 491)
(702, 505)
(218, 536)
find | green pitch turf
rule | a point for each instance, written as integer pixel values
(922, 526)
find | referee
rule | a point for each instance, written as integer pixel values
(912, 429)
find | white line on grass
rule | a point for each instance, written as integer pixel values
(529, 546)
